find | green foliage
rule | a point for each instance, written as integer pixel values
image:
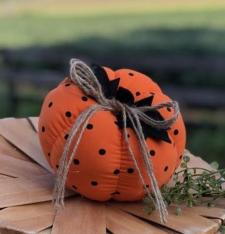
(222, 229)
(193, 186)
(196, 184)
(178, 211)
(148, 31)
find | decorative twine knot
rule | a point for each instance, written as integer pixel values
(82, 75)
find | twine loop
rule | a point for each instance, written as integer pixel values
(82, 75)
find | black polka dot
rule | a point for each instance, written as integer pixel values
(181, 156)
(175, 132)
(50, 104)
(152, 152)
(102, 151)
(115, 193)
(166, 168)
(130, 170)
(74, 187)
(138, 93)
(116, 172)
(76, 161)
(43, 129)
(84, 98)
(169, 109)
(147, 185)
(67, 85)
(66, 136)
(89, 126)
(128, 135)
(57, 166)
(49, 154)
(131, 74)
(94, 183)
(68, 114)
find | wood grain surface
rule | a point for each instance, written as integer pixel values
(26, 184)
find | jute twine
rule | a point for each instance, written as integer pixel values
(82, 75)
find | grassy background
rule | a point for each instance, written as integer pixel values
(28, 23)
(120, 31)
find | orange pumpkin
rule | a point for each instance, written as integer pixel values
(102, 168)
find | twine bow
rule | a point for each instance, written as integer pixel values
(82, 75)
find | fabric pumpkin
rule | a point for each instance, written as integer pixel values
(102, 167)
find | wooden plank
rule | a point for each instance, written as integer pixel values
(46, 231)
(34, 122)
(12, 151)
(209, 212)
(80, 216)
(20, 191)
(19, 133)
(187, 223)
(2, 177)
(27, 219)
(220, 202)
(19, 168)
(119, 222)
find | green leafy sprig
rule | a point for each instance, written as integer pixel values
(192, 186)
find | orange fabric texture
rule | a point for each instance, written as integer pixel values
(102, 168)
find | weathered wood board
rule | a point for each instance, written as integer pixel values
(26, 183)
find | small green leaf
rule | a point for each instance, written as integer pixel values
(210, 205)
(178, 211)
(186, 158)
(193, 185)
(222, 229)
(190, 203)
(214, 165)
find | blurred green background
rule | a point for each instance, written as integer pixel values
(180, 44)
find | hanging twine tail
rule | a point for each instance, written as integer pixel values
(84, 78)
